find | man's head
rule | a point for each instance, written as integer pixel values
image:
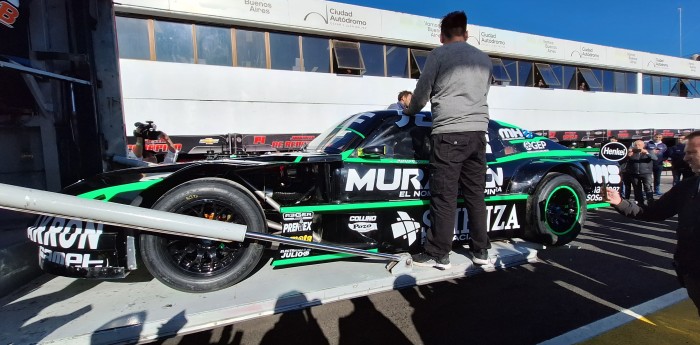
(405, 97)
(638, 144)
(682, 139)
(658, 138)
(692, 151)
(453, 27)
(612, 139)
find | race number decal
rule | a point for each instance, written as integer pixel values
(8, 14)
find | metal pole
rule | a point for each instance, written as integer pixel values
(67, 206)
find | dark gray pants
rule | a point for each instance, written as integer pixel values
(457, 161)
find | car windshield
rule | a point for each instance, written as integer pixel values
(345, 135)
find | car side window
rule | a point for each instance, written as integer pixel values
(403, 137)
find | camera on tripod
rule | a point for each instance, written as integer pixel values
(147, 131)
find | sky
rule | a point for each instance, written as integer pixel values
(642, 25)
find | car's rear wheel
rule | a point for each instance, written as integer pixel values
(557, 210)
(197, 265)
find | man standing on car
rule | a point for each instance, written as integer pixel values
(684, 200)
(456, 80)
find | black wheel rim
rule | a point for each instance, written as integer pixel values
(562, 210)
(205, 257)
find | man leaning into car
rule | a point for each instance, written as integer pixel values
(456, 80)
(684, 200)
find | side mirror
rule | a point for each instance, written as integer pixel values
(371, 151)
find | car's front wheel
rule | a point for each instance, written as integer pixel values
(198, 265)
(557, 210)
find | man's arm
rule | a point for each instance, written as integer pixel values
(666, 207)
(424, 87)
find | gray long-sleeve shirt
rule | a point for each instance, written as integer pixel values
(456, 79)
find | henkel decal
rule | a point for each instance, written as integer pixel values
(65, 233)
(69, 259)
(607, 173)
(403, 180)
(613, 151)
(535, 145)
(494, 181)
(498, 217)
(9, 13)
(405, 227)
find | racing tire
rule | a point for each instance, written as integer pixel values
(557, 210)
(197, 265)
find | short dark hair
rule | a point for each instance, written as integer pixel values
(692, 135)
(403, 94)
(454, 24)
(612, 137)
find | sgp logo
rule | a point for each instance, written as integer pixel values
(535, 145)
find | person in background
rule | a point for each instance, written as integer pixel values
(456, 80)
(659, 149)
(623, 165)
(638, 172)
(679, 167)
(404, 99)
(148, 131)
(583, 86)
(683, 200)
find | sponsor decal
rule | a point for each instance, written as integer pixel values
(586, 52)
(9, 13)
(409, 182)
(613, 151)
(498, 217)
(535, 145)
(69, 259)
(419, 119)
(514, 133)
(494, 181)
(595, 196)
(208, 141)
(297, 222)
(607, 173)
(405, 227)
(488, 145)
(290, 142)
(65, 233)
(294, 253)
(363, 224)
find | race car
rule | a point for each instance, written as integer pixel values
(363, 183)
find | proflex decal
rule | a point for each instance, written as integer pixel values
(405, 227)
(362, 224)
(498, 217)
(408, 182)
(298, 226)
(66, 234)
(514, 133)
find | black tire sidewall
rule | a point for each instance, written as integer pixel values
(153, 247)
(539, 229)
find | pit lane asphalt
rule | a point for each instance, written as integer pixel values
(620, 264)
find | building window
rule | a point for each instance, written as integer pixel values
(396, 61)
(250, 49)
(214, 46)
(373, 56)
(500, 73)
(665, 86)
(608, 81)
(317, 56)
(631, 82)
(132, 38)
(547, 75)
(347, 58)
(570, 78)
(683, 88)
(173, 42)
(284, 52)
(619, 81)
(525, 77)
(588, 80)
(418, 58)
(512, 70)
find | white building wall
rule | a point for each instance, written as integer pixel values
(247, 100)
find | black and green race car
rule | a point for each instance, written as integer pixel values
(362, 184)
